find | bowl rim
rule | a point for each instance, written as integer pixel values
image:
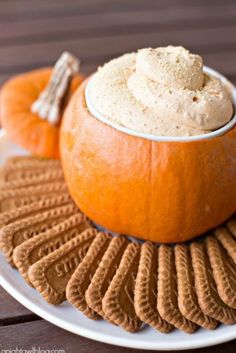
(219, 132)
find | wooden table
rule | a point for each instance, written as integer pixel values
(34, 33)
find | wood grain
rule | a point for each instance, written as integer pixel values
(14, 10)
(46, 336)
(11, 311)
(200, 40)
(87, 24)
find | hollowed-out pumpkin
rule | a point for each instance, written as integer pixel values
(24, 127)
(161, 191)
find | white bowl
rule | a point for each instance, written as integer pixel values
(128, 131)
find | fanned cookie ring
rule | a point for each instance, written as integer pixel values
(59, 252)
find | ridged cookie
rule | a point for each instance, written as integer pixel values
(145, 297)
(208, 297)
(21, 171)
(41, 245)
(224, 271)
(39, 179)
(17, 232)
(118, 302)
(15, 198)
(187, 297)
(231, 225)
(51, 274)
(104, 273)
(80, 280)
(167, 292)
(51, 201)
(227, 240)
(26, 162)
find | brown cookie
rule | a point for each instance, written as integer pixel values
(167, 292)
(34, 249)
(11, 199)
(42, 178)
(17, 232)
(81, 278)
(145, 296)
(208, 297)
(20, 162)
(8, 175)
(34, 208)
(227, 241)
(13, 172)
(118, 302)
(231, 225)
(187, 297)
(104, 273)
(224, 271)
(51, 274)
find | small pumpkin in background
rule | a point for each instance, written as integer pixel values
(154, 190)
(24, 127)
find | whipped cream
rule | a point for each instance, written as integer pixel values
(161, 91)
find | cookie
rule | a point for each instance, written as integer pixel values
(145, 297)
(104, 273)
(12, 199)
(231, 225)
(187, 297)
(21, 171)
(17, 232)
(118, 302)
(34, 208)
(167, 292)
(81, 278)
(51, 274)
(20, 162)
(34, 249)
(224, 271)
(42, 178)
(227, 241)
(208, 297)
(7, 175)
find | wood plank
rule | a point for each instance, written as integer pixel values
(223, 62)
(17, 10)
(86, 25)
(23, 55)
(11, 311)
(86, 69)
(46, 336)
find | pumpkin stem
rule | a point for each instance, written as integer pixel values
(49, 104)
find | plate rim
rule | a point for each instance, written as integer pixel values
(104, 337)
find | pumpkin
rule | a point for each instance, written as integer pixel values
(24, 127)
(158, 191)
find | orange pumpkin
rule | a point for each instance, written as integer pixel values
(24, 127)
(160, 191)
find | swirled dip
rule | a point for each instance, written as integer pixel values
(161, 91)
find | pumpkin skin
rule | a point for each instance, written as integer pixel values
(159, 191)
(24, 127)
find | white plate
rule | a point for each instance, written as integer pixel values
(70, 319)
